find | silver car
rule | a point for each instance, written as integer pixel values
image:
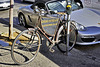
(87, 21)
(4, 4)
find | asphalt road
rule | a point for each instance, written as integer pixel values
(81, 56)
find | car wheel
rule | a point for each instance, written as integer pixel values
(22, 20)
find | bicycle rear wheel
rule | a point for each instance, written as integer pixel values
(25, 47)
(61, 38)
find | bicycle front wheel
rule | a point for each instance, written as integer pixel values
(25, 47)
(62, 40)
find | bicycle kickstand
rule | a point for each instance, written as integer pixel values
(50, 48)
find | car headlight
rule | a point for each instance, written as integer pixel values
(80, 27)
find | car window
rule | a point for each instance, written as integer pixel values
(40, 5)
(60, 6)
(74, 6)
(56, 6)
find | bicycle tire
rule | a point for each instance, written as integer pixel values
(25, 47)
(61, 38)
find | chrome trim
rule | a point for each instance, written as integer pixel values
(88, 43)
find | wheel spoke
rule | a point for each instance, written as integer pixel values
(22, 20)
(34, 45)
(25, 47)
(62, 40)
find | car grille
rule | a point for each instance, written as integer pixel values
(1, 7)
(87, 39)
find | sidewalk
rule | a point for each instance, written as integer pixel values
(76, 58)
(4, 30)
(4, 26)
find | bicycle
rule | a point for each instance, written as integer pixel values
(29, 41)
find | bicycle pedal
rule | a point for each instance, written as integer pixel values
(52, 50)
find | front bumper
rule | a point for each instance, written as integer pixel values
(4, 6)
(88, 37)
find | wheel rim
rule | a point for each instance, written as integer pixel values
(61, 41)
(25, 49)
(61, 44)
(22, 20)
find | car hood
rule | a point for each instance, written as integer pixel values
(26, 7)
(86, 17)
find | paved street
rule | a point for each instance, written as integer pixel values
(80, 56)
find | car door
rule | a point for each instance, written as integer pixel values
(31, 16)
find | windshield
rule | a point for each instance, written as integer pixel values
(60, 6)
(74, 6)
(56, 6)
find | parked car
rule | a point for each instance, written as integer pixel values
(28, 0)
(36, 0)
(4, 4)
(87, 21)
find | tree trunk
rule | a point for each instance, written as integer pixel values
(11, 19)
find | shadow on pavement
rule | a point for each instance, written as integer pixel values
(5, 21)
(6, 51)
(57, 57)
(86, 48)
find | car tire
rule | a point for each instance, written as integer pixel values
(62, 41)
(22, 20)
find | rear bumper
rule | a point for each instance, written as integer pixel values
(4, 6)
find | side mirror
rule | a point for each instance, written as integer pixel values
(79, 3)
(43, 12)
(36, 9)
(76, 6)
(53, 12)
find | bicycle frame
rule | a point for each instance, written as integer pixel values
(46, 35)
(60, 36)
(66, 26)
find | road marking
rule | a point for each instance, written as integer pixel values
(47, 21)
(49, 25)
